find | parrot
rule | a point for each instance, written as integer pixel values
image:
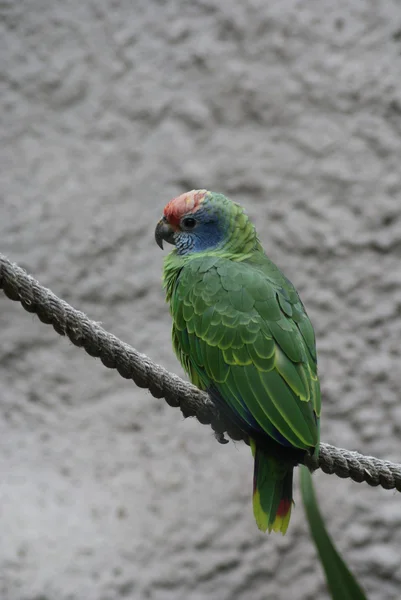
(242, 335)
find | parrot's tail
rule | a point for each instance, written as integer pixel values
(272, 491)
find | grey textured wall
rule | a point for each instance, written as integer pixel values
(109, 109)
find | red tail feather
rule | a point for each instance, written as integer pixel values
(283, 507)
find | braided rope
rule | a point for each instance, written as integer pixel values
(115, 354)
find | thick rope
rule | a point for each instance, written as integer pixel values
(115, 354)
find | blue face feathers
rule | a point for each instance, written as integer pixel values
(202, 230)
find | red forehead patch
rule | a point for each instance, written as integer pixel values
(180, 206)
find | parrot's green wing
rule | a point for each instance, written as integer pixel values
(241, 329)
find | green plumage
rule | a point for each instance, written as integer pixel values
(240, 329)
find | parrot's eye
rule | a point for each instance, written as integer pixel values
(188, 222)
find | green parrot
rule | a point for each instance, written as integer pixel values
(242, 334)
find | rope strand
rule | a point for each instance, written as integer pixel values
(131, 364)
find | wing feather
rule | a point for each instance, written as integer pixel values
(239, 332)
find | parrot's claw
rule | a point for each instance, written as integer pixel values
(220, 438)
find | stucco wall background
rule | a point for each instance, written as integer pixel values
(107, 110)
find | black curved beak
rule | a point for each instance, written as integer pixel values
(164, 232)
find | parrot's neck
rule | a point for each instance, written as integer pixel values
(174, 262)
(242, 239)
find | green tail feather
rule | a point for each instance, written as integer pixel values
(272, 492)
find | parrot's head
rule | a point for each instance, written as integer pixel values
(200, 220)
